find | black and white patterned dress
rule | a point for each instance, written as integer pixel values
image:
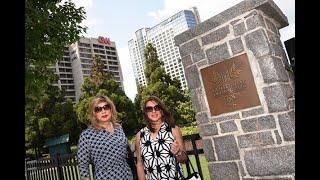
(107, 152)
(159, 162)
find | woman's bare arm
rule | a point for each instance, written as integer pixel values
(180, 155)
(139, 165)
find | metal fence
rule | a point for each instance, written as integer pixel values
(65, 167)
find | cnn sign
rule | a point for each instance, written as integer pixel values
(104, 40)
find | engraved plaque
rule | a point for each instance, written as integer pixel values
(229, 85)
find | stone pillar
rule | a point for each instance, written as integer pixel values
(241, 91)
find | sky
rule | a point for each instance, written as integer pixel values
(119, 19)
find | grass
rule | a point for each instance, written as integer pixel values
(203, 163)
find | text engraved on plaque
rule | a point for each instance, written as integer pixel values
(229, 85)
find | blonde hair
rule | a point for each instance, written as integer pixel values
(94, 102)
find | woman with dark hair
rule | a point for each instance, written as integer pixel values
(103, 143)
(159, 145)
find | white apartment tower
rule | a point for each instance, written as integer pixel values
(77, 63)
(65, 76)
(161, 36)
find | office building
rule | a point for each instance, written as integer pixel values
(77, 62)
(161, 36)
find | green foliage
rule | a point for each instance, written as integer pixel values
(101, 82)
(168, 90)
(49, 26)
(53, 118)
(188, 130)
(203, 163)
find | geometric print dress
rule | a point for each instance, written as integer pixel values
(106, 151)
(159, 162)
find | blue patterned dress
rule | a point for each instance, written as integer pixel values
(107, 152)
(159, 162)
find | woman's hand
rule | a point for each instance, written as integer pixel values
(175, 148)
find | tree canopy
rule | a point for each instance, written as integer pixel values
(160, 84)
(50, 25)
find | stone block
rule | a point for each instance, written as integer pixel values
(202, 63)
(279, 140)
(257, 124)
(226, 148)
(252, 112)
(197, 56)
(239, 29)
(229, 126)
(242, 173)
(215, 36)
(224, 171)
(272, 69)
(276, 50)
(184, 37)
(190, 47)
(287, 125)
(288, 90)
(272, 37)
(258, 43)
(197, 98)
(235, 21)
(186, 61)
(208, 150)
(255, 139)
(236, 45)
(208, 130)
(192, 76)
(270, 161)
(218, 53)
(291, 103)
(226, 117)
(202, 117)
(255, 21)
(276, 99)
(271, 26)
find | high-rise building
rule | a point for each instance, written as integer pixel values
(64, 71)
(77, 63)
(161, 36)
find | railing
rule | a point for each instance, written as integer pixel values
(194, 146)
(65, 167)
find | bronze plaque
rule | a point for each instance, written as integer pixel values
(229, 85)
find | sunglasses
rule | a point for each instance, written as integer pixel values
(155, 108)
(99, 109)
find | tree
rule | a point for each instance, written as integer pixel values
(54, 117)
(49, 26)
(160, 84)
(102, 82)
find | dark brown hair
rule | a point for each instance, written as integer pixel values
(165, 113)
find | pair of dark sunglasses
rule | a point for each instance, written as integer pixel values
(99, 109)
(155, 108)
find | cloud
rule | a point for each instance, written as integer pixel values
(129, 82)
(92, 22)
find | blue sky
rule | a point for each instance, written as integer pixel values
(119, 19)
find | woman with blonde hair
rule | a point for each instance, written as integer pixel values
(103, 143)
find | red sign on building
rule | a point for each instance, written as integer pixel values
(104, 40)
